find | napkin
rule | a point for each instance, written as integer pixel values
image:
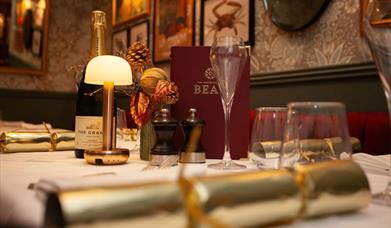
(374, 164)
(23, 126)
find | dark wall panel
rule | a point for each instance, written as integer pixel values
(358, 94)
(356, 85)
(36, 107)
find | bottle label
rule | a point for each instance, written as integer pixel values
(88, 132)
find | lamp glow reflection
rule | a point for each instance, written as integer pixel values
(109, 71)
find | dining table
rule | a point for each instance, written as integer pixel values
(21, 206)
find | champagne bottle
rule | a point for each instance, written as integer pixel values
(88, 120)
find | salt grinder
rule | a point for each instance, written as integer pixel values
(192, 150)
(164, 148)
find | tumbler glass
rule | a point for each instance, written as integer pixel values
(315, 132)
(266, 136)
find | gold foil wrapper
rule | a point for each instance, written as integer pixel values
(248, 199)
(138, 205)
(235, 200)
(332, 187)
(309, 145)
(63, 140)
(36, 141)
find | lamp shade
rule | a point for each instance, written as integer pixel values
(108, 68)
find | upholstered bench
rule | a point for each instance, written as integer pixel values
(372, 129)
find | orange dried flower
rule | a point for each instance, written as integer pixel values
(140, 108)
(166, 92)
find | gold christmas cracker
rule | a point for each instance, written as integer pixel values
(140, 205)
(332, 187)
(36, 141)
(247, 199)
(308, 144)
(63, 140)
(279, 196)
(234, 200)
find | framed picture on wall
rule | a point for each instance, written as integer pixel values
(119, 42)
(128, 10)
(219, 17)
(173, 26)
(139, 32)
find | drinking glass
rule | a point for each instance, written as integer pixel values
(377, 29)
(125, 137)
(315, 132)
(266, 136)
(228, 56)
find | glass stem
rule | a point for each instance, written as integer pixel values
(227, 116)
(387, 191)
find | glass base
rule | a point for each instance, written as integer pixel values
(227, 165)
(382, 199)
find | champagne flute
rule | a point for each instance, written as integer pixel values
(228, 56)
(377, 28)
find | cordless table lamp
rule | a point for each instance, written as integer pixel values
(109, 71)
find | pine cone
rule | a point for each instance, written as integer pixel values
(138, 56)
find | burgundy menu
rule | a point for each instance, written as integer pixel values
(192, 72)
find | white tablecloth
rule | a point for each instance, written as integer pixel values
(20, 206)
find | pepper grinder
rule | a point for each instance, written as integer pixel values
(192, 150)
(164, 152)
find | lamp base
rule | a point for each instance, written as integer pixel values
(106, 157)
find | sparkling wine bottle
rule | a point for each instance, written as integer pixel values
(88, 120)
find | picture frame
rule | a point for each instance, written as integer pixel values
(128, 10)
(36, 43)
(240, 12)
(139, 32)
(173, 26)
(119, 41)
(363, 9)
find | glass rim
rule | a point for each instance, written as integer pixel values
(269, 108)
(235, 38)
(320, 104)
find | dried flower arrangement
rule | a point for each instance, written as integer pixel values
(151, 89)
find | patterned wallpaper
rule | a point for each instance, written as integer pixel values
(332, 39)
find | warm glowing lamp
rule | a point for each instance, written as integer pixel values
(109, 71)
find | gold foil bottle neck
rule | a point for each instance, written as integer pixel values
(98, 34)
(98, 18)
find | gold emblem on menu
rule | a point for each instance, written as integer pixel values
(208, 87)
(210, 74)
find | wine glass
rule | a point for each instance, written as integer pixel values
(228, 56)
(266, 136)
(377, 29)
(315, 132)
